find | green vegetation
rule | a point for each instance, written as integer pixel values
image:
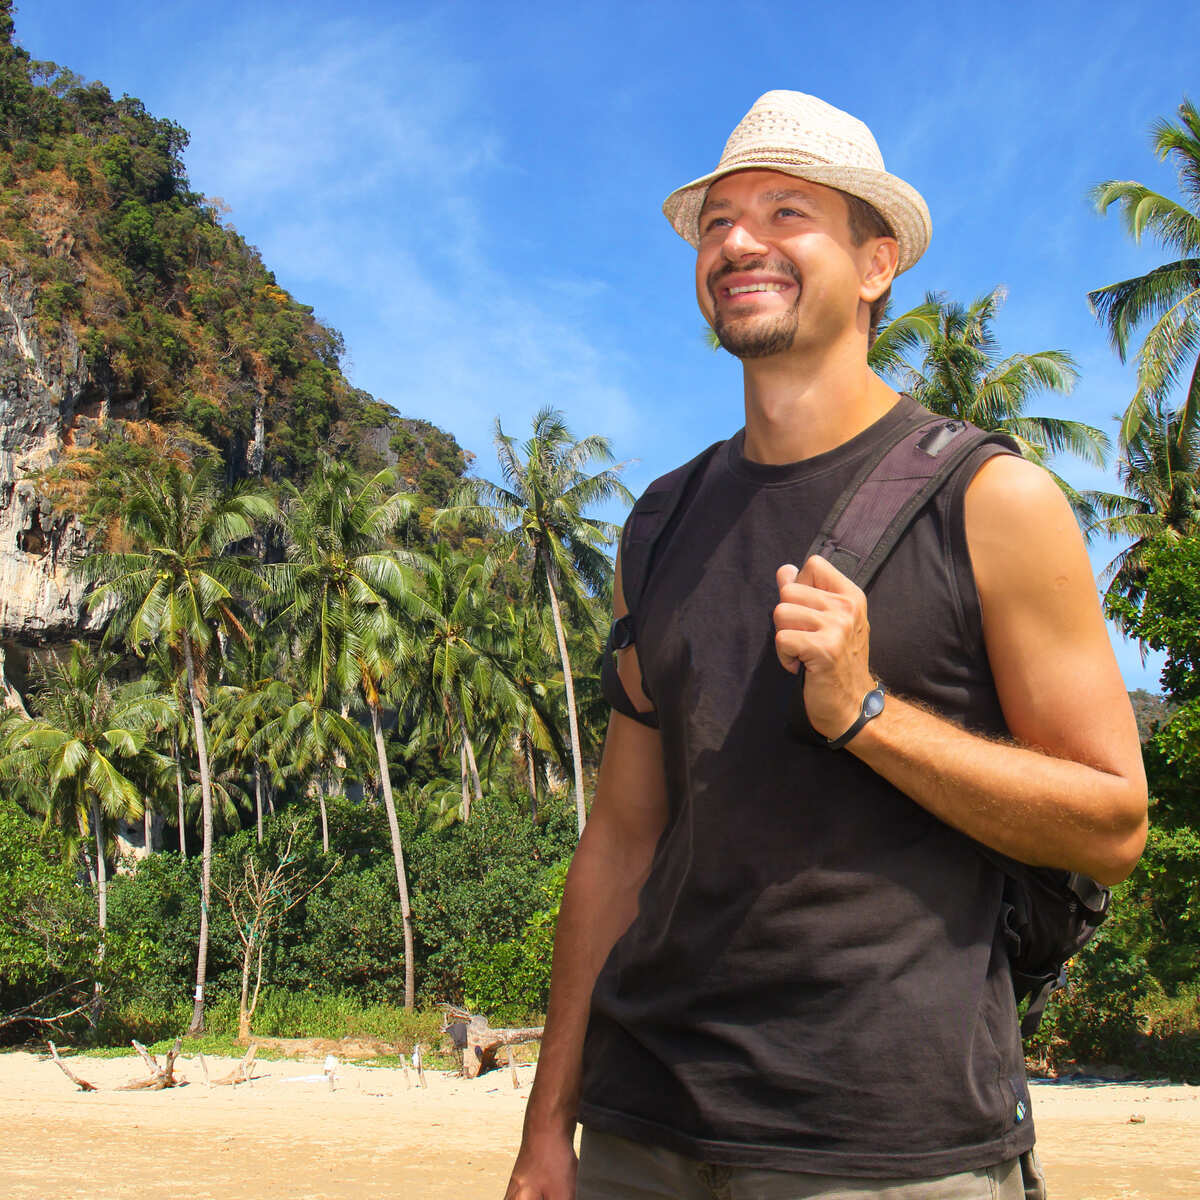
(254, 686)
(1168, 297)
(946, 356)
(365, 686)
(1136, 990)
(538, 512)
(179, 321)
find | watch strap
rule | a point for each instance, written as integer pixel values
(872, 706)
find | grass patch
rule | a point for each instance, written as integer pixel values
(281, 1014)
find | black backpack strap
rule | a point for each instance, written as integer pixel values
(876, 508)
(654, 514)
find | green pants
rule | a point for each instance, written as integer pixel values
(614, 1168)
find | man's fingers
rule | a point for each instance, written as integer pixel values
(806, 596)
(797, 616)
(785, 575)
(820, 573)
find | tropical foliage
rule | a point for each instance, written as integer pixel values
(538, 515)
(1165, 300)
(354, 676)
(946, 355)
(175, 588)
(348, 656)
(1160, 473)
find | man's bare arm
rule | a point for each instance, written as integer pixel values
(599, 902)
(1072, 792)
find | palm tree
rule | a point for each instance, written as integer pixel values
(538, 511)
(1168, 296)
(169, 677)
(961, 373)
(254, 696)
(87, 747)
(302, 739)
(903, 334)
(343, 584)
(177, 585)
(458, 667)
(527, 662)
(1160, 470)
(348, 598)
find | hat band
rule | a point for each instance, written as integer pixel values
(799, 158)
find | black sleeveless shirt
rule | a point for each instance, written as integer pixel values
(814, 980)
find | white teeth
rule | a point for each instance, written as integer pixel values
(756, 287)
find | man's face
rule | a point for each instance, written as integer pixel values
(777, 268)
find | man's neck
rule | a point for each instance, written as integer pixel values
(797, 408)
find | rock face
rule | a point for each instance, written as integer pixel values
(48, 401)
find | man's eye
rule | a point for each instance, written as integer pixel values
(789, 212)
(715, 223)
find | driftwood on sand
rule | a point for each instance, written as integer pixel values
(479, 1043)
(159, 1077)
(82, 1084)
(242, 1073)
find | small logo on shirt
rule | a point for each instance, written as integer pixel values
(1022, 1111)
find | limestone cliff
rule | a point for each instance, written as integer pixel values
(47, 401)
(125, 295)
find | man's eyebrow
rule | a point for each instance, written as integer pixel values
(787, 194)
(710, 205)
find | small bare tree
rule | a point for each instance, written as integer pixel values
(257, 899)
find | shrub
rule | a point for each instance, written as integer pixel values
(510, 982)
(48, 933)
(479, 884)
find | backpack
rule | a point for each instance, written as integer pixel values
(1046, 914)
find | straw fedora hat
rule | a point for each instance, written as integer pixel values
(803, 136)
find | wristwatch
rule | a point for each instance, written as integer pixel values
(872, 706)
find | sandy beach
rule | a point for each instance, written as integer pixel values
(289, 1136)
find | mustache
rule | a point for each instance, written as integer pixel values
(782, 267)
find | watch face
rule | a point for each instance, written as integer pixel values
(873, 703)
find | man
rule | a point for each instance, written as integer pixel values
(779, 971)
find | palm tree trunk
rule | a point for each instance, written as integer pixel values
(530, 767)
(101, 871)
(148, 825)
(179, 793)
(258, 801)
(569, 684)
(101, 905)
(87, 854)
(324, 816)
(475, 783)
(197, 1023)
(316, 790)
(389, 805)
(465, 807)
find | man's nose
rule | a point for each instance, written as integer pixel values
(741, 242)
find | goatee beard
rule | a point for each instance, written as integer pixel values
(756, 337)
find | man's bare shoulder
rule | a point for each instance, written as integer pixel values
(1011, 486)
(1017, 518)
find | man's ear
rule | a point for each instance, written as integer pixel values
(880, 268)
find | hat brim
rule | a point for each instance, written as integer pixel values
(899, 203)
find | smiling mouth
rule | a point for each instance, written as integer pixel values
(755, 287)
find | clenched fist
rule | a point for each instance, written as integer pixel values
(821, 622)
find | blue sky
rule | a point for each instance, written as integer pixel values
(471, 192)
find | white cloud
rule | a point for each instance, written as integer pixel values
(363, 161)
